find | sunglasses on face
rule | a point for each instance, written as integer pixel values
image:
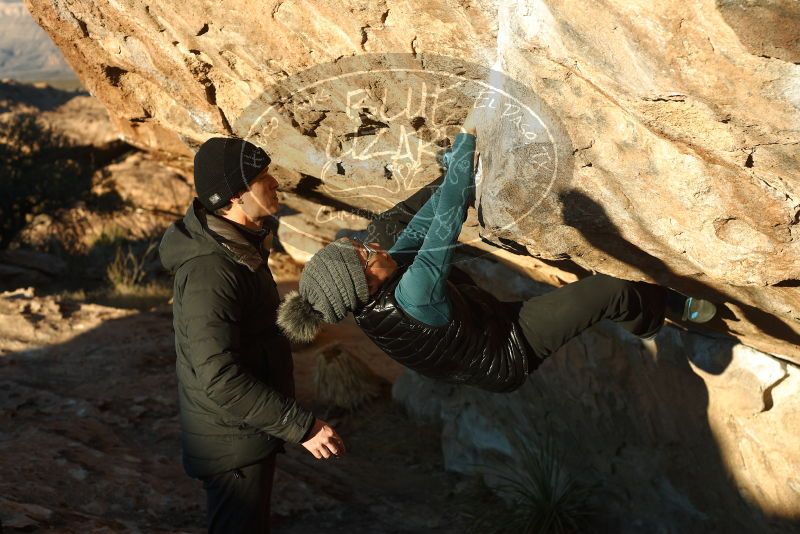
(370, 251)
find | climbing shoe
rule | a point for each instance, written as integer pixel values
(698, 310)
(688, 308)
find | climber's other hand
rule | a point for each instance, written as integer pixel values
(471, 122)
(469, 125)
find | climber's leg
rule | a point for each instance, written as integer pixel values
(550, 320)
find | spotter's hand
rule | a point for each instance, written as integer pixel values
(324, 441)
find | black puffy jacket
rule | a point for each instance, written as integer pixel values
(483, 345)
(234, 366)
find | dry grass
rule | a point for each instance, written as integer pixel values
(342, 380)
(126, 275)
(126, 271)
(141, 297)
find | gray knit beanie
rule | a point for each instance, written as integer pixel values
(332, 284)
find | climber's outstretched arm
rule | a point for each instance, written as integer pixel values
(421, 290)
(410, 240)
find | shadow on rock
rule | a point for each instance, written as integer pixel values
(590, 218)
(702, 475)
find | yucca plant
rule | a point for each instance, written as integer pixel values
(544, 498)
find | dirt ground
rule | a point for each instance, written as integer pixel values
(89, 434)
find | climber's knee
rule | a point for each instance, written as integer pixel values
(613, 286)
(638, 301)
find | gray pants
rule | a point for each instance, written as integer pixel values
(550, 320)
(238, 500)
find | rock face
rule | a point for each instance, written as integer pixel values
(718, 457)
(647, 141)
(131, 194)
(21, 267)
(79, 118)
(686, 433)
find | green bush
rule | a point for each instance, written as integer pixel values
(39, 173)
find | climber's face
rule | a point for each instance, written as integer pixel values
(379, 266)
(261, 199)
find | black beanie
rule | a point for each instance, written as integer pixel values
(224, 167)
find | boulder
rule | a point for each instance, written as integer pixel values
(21, 268)
(145, 183)
(649, 141)
(689, 432)
(31, 259)
(670, 441)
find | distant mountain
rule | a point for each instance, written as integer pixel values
(27, 53)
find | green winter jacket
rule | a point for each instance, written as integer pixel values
(234, 366)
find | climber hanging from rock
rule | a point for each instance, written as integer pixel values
(407, 302)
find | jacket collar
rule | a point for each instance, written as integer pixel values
(231, 240)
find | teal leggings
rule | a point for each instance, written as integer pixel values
(427, 242)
